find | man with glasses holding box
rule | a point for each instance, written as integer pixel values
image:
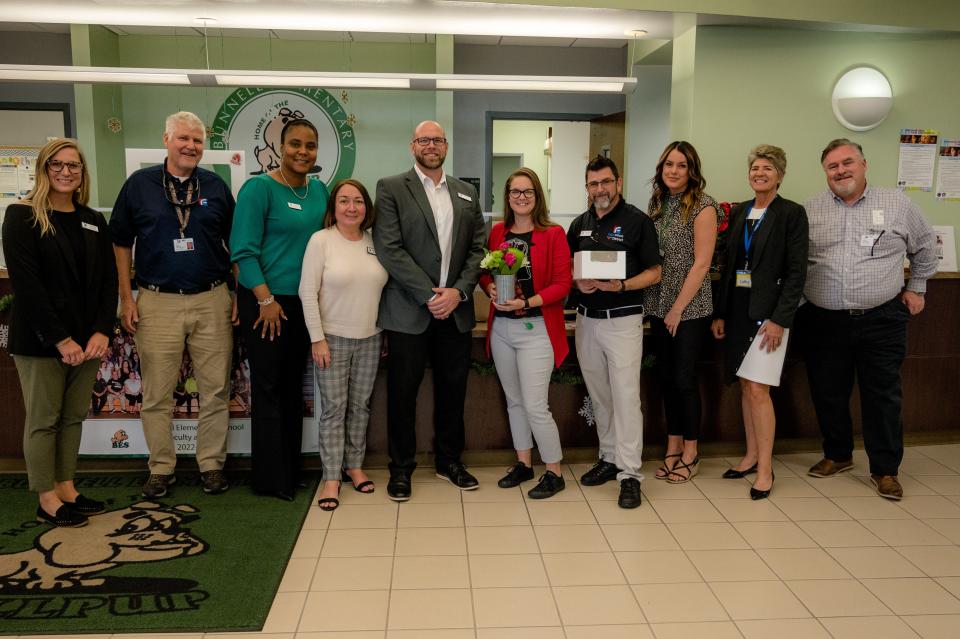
(180, 216)
(429, 236)
(609, 334)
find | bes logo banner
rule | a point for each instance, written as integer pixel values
(251, 120)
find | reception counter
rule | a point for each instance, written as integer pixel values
(930, 388)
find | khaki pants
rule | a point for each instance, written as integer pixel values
(167, 320)
(610, 352)
(56, 397)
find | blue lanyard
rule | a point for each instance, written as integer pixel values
(748, 234)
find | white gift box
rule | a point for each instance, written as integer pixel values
(600, 265)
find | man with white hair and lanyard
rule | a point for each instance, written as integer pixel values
(179, 215)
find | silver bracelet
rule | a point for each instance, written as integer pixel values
(267, 301)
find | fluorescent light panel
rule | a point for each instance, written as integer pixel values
(531, 84)
(345, 82)
(95, 75)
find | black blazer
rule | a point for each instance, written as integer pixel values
(778, 263)
(48, 293)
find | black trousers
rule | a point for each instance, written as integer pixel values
(276, 393)
(840, 347)
(448, 351)
(677, 365)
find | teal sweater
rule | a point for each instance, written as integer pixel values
(270, 233)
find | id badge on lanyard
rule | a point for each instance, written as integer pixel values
(744, 278)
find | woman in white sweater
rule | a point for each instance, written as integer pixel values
(340, 290)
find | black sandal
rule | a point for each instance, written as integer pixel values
(663, 466)
(692, 468)
(328, 503)
(347, 479)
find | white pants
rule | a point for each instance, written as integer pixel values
(524, 359)
(610, 352)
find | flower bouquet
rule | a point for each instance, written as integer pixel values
(504, 263)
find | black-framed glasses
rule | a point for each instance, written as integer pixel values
(57, 166)
(593, 186)
(527, 193)
(427, 141)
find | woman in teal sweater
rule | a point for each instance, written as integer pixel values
(276, 214)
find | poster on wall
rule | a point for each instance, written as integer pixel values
(16, 177)
(946, 249)
(948, 171)
(918, 155)
(252, 119)
(113, 425)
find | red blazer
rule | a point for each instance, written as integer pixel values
(552, 276)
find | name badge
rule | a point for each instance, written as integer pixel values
(743, 279)
(371, 251)
(586, 233)
(878, 216)
(869, 239)
(182, 244)
(90, 227)
(294, 206)
(464, 197)
(756, 214)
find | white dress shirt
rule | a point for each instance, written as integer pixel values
(442, 206)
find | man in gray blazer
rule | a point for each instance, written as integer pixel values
(429, 236)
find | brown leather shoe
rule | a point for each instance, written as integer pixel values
(828, 468)
(887, 486)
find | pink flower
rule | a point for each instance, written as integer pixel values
(510, 259)
(503, 246)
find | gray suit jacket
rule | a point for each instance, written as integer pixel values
(405, 237)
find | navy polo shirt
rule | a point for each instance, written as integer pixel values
(625, 228)
(143, 213)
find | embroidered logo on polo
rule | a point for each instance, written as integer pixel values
(616, 234)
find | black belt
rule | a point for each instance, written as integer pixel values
(857, 312)
(180, 291)
(610, 313)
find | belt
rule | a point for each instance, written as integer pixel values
(610, 313)
(180, 291)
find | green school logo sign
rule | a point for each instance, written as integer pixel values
(251, 120)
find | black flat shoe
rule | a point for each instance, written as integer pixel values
(86, 506)
(458, 475)
(629, 493)
(284, 495)
(516, 475)
(756, 494)
(65, 517)
(739, 474)
(550, 484)
(398, 488)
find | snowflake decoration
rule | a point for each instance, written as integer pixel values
(4, 335)
(352, 119)
(586, 411)
(344, 96)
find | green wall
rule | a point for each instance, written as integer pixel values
(774, 86)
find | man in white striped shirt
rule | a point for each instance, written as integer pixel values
(858, 306)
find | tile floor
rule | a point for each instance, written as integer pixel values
(822, 558)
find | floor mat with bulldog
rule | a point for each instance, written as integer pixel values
(185, 562)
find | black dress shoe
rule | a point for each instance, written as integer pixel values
(65, 517)
(86, 506)
(398, 488)
(629, 493)
(550, 484)
(739, 474)
(601, 473)
(284, 495)
(457, 474)
(756, 494)
(517, 474)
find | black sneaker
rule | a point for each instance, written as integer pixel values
(629, 493)
(601, 473)
(456, 473)
(214, 482)
(86, 506)
(517, 474)
(398, 488)
(156, 485)
(550, 484)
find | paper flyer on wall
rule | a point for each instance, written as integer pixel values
(918, 156)
(948, 171)
(946, 249)
(762, 367)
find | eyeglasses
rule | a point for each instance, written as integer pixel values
(56, 166)
(427, 141)
(527, 193)
(593, 186)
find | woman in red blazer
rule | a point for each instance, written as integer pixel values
(526, 335)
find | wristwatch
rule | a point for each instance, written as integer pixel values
(623, 286)
(526, 303)
(463, 296)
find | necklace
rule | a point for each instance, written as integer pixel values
(295, 194)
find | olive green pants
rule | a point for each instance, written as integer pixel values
(56, 397)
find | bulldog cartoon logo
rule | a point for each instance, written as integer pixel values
(268, 155)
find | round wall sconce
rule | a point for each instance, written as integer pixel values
(862, 98)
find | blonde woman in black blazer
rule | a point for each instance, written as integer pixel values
(60, 260)
(760, 288)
